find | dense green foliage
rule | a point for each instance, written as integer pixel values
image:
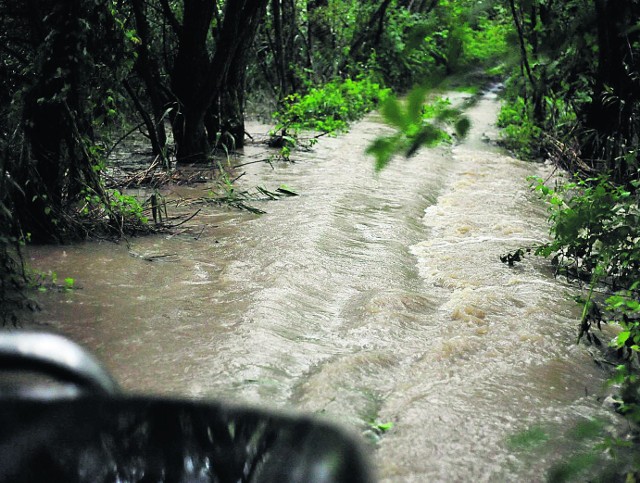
(595, 225)
(519, 133)
(576, 94)
(457, 37)
(78, 75)
(330, 108)
(576, 100)
(304, 45)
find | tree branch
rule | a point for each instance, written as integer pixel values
(523, 45)
(170, 16)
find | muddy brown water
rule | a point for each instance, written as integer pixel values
(366, 298)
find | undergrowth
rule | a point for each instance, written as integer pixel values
(595, 230)
(551, 132)
(329, 108)
(519, 134)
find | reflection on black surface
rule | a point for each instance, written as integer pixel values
(145, 440)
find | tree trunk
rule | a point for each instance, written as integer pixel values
(369, 36)
(189, 82)
(278, 44)
(55, 125)
(291, 57)
(148, 69)
(202, 84)
(232, 105)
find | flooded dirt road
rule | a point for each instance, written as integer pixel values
(366, 299)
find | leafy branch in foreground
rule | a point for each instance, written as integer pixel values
(416, 125)
(592, 453)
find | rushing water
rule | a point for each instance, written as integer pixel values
(367, 298)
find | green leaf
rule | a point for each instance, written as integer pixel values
(415, 102)
(383, 150)
(622, 338)
(392, 113)
(428, 135)
(380, 426)
(284, 189)
(384, 427)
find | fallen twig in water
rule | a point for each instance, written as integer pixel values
(184, 221)
(265, 160)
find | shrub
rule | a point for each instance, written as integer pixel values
(519, 134)
(330, 108)
(595, 224)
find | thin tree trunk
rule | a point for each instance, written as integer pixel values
(611, 118)
(148, 69)
(523, 43)
(369, 36)
(156, 144)
(278, 43)
(189, 82)
(55, 125)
